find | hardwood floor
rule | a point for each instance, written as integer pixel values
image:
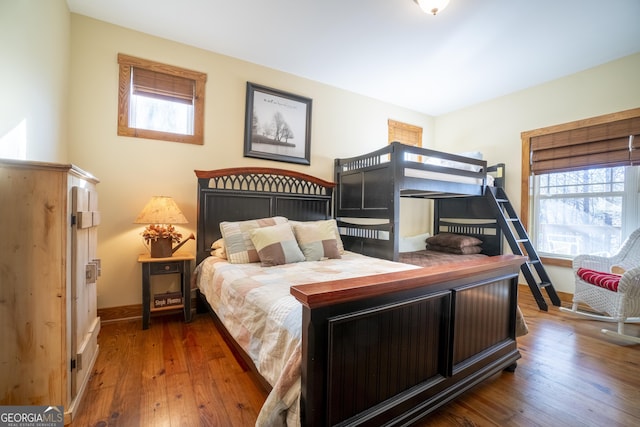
(177, 374)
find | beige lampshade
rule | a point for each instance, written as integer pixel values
(161, 210)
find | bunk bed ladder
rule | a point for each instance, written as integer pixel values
(518, 239)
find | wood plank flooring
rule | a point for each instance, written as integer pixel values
(177, 374)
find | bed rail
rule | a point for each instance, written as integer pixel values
(433, 160)
(370, 187)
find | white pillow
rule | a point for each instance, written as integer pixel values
(413, 243)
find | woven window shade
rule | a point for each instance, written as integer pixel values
(405, 133)
(162, 86)
(634, 143)
(605, 145)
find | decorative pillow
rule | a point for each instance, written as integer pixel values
(219, 252)
(617, 269)
(276, 245)
(413, 243)
(218, 249)
(238, 245)
(451, 240)
(604, 280)
(329, 221)
(465, 250)
(317, 240)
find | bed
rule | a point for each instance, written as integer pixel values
(370, 187)
(383, 343)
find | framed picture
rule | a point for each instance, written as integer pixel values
(277, 125)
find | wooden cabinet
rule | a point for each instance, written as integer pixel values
(48, 273)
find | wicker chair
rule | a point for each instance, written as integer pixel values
(621, 305)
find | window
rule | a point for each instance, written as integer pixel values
(585, 211)
(159, 101)
(582, 188)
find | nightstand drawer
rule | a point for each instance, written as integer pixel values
(165, 267)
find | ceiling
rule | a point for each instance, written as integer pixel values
(390, 50)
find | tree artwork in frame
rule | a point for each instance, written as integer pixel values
(277, 125)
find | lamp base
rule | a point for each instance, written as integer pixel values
(161, 248)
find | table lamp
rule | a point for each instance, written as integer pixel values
(161, 212)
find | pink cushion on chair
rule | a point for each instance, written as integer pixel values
(604, 280)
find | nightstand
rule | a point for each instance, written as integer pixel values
(179, 263)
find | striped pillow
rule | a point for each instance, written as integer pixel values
(276, 245)
(317, 240)
(237, 241)
(604, 280)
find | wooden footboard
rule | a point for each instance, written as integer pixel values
(393, 347)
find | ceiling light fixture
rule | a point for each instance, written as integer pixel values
(432, 6)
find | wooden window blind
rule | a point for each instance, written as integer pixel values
(602, 145)
(162, 86)
(405, 133)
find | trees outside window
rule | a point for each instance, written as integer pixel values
(585, 211)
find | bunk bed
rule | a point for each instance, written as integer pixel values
(370, 186)
(373, 349)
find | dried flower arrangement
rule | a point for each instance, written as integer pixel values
(154, 232)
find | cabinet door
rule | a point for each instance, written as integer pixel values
(85, 271)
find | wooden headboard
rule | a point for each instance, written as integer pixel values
(239, 194)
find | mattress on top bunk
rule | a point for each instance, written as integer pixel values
(255, 305)
(451, 164)
(440, 176)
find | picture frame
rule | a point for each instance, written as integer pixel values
(277, 125)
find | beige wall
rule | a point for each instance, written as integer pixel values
(132, 170)
(34, 44)
(42, 39)
(494, 127)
